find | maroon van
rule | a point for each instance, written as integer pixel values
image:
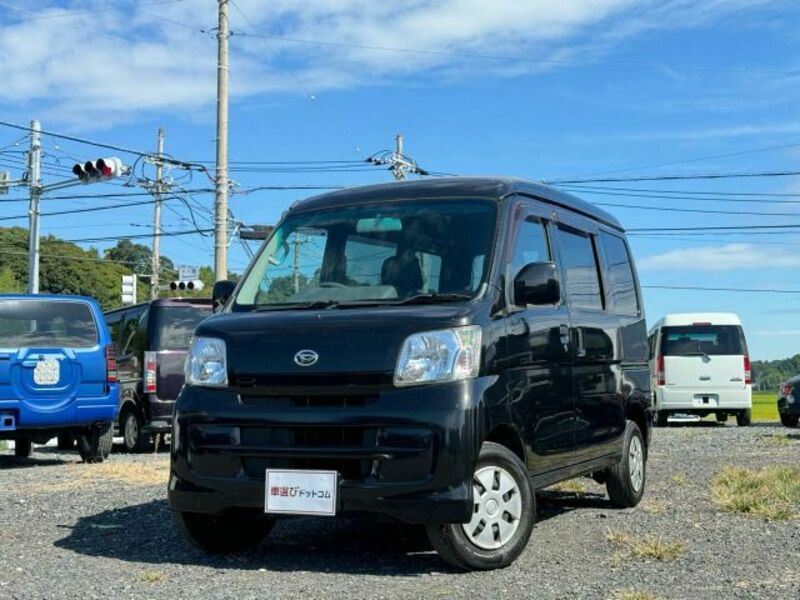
(152, 340)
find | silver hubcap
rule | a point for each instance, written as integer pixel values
(131, 430)
(497, 508)
(636, 463)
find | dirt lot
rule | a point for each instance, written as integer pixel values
(69, 530)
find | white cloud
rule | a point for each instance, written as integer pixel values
(728, 257)
(121, 60)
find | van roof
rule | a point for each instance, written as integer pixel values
(683, 319)
(494, 188)
(165, 302)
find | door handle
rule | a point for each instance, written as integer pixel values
(580, 351)
(563, 332)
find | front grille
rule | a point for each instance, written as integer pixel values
(348, 469)
(308, 437)
(309, 401)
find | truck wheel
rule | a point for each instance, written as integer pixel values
(94, 445)
(662, 417)
(504, 509)
(220, 534)
(66, 441)
(625, 484)
(131, 422)
(789, 420)
(744, 417)
(23, 447)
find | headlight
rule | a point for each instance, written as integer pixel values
(446, 355)
(207, 363)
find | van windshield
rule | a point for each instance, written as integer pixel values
(174, 326)
(693, 340)
(46, 324)
(378, 253)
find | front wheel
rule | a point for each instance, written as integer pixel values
(219, 534)
(744, 417)
(94, 445)
(504, 510)
(23, 447)
(789, 420)
(625, 483)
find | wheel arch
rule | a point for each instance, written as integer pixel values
(636, 412)
(506, 435)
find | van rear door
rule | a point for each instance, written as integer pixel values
(49, 352)
(704, 356)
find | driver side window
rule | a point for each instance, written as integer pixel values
(530, 245)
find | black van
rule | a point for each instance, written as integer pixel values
(152, 341)
(432, 351)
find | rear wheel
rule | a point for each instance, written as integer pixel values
(504, 509)
(131, 423)
(789, 420)
(662, 418)
(94, 445)
(23, 447)
(744, 417)
(625, 484)
(219, 534)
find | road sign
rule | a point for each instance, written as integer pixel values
(188, 273)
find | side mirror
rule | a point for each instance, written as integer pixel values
(221, 293)
(537, 283)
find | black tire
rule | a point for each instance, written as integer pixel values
(453, 544)
(23, 447)
(222, 534)
(94, 445)
(66, 441)
(789, 420)
(621, 482)
(744, 417)
(722, 417)
(662, 417)
(131, 423)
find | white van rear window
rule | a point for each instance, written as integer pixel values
(696, 340)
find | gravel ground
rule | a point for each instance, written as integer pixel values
(69, 530)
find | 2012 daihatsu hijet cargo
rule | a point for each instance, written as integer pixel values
(700, 365)
(431, 351)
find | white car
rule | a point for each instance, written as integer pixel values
(699, 365)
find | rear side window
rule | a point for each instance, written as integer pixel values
(46, 324)
(621, 284)
(174, 326)
(579, 263)
(696, 340)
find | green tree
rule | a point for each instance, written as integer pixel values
(9, 283)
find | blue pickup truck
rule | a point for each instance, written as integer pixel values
(58, 374)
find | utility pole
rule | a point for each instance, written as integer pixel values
(221, 200)
(156, 258)
(398, 160)
(35, 187)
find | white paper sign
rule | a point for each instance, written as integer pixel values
(299, 492)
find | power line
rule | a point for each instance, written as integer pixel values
(749, 228)
(74, 211)
(674, 177)
(697, 210)
(721, 289)
(138, 236)
(68, 257)
(93, 196)
(677, 196)
(690, 192)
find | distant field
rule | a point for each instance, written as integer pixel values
(765, 406)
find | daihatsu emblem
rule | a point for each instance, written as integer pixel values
(306, 358)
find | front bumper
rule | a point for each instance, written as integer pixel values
(703, 400)
(404, 453)
(65, 413)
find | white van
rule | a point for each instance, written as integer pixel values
(699, 365)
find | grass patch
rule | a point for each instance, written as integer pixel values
(153, 577)
(646, 547)
(634, 595)
(772, 492)
(653, 506)
(765, 406)
(79, 476)
(679, 479)
(779, 439)
(571, 486)
(3, 445)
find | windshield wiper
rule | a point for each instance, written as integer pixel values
(705, 356)
(299, 305)
(434, 298)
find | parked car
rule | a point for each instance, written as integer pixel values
(699, 366)
(789, 402)
(58, 374)
(152, 339)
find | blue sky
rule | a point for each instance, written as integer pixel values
(535, 89)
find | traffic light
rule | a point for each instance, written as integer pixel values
(101, 169)
(194, 285)
(129, 289)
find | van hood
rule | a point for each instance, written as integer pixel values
(355, 346)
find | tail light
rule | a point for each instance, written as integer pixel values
(747, 378)
(111, 363)
(660, 375)
(150, 372)
(786, 389)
